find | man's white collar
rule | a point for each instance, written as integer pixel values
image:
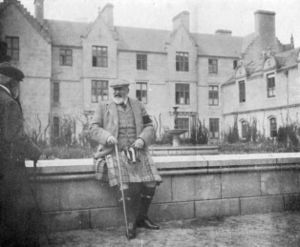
(6, 89)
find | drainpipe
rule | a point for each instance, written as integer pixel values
(197, 93)
(287, 96)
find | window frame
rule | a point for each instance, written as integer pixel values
(271, 90)
(244, 128)
(99, 56)
(214, 122)
(182, 123)
(56, 127)
(55, 92)
(182, 61)
(139, 88)
(141, 61)
(185, 93)
(273, 127)
(213, 66)
(213, 95)
(242, 97)
(63, 57)
(13, 51)
(97, 89)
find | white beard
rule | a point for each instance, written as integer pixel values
(118, 100)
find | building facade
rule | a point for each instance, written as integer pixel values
(69, 66)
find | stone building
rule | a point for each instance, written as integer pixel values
(69, 66)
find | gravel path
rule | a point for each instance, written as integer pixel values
(274, 229)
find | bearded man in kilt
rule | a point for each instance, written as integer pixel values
(124, 122)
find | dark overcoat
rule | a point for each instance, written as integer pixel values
(19, 216)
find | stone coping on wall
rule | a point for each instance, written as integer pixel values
(172, 165)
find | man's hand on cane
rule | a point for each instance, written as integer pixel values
(111, 140)
(139, 143)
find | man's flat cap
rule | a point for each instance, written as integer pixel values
(10, 71)
(119, 83)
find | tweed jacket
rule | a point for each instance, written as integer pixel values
(106, 123)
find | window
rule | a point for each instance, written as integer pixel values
(273, 127)
(182, 94)
(99, 54)
(141, 91)
(141, 61)
(235, 63)
(213, 95)
(55, 127)
(212, 66)
(271, 84)
(13, 47)
(244, 129)
(182, 123)
(99, 90)
(65, 57)
(214, 127)
(242, 91)
(55, 92)
(182, 61)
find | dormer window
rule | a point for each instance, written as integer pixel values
(99, 56)
(182, 61)
(270, 85)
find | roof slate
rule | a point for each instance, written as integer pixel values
(66, 32)
(147, 40)
(287, 59)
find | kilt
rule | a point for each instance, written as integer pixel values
(141, 171)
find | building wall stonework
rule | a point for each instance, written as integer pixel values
(35, 62)
(40, 60)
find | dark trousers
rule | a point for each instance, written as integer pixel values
(19, 215)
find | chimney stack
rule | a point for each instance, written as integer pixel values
(107, 14)
(265, 28)
(39, 10)
(183, 18)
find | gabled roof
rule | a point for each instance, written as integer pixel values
(66, 32)
(41, 29)
(218, 45)
(142, 39)
(287, 59)
(247, 41)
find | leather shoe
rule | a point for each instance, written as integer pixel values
(147, 223)
(131, 231)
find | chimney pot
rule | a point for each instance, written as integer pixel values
(107, 14)
(39, 10)
(183, 18)
(265, 27)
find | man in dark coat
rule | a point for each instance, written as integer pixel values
(19, 216)
(124, 122)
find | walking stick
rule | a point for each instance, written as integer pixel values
(121, 187)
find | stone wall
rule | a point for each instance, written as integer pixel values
(193, 186)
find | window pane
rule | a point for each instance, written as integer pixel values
(182, 61)
(99, 56)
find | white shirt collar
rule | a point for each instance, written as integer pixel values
(6, 89)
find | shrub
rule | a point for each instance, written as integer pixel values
(287, 136)
(199, 133)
